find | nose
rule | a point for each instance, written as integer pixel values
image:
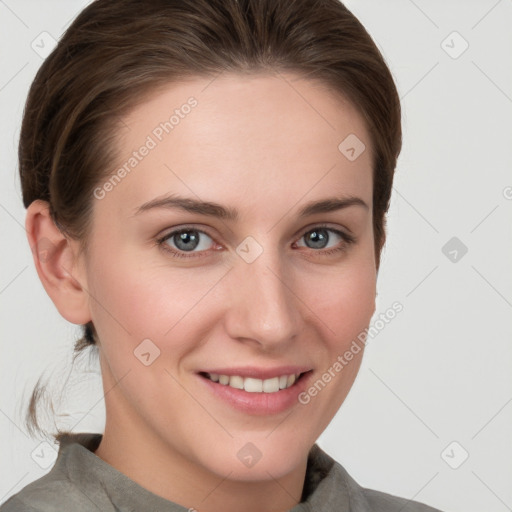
(262, 304)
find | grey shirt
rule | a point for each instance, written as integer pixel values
(82, 482)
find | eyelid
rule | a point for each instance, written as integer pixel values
(185, 227)
(326, 225)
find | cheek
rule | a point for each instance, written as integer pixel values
(135, 300)
(344, 303)
(345, 309)
(344, 299)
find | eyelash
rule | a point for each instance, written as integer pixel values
(347, 240)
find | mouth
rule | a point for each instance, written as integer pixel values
(255, 390)
(255, 385)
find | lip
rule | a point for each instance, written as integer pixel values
(258, 404)
(257, 373)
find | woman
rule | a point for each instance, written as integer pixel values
(206, 185)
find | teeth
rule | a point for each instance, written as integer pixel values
(252, 385)
(255, 385)
(291, 380)
(236, 382)
(271, 385)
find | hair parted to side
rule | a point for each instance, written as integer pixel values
(116, 52)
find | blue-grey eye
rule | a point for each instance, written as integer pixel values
(319, 238)
(188, 240)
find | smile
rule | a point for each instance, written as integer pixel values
(256, 391)
(252, 385)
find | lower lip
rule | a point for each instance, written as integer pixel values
(259, 404)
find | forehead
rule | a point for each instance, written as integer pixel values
(252, 136)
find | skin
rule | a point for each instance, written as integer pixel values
(255, 144)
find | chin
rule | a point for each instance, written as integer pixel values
(258, 457)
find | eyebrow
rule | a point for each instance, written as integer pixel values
(212, 209)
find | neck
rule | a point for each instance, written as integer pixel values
(193, 486)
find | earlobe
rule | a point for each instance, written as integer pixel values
(57, 264)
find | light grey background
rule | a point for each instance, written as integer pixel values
(441, 371)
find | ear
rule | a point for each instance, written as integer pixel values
(58, 265)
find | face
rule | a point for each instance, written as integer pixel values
(259, 286)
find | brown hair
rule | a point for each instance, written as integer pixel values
(118, 51)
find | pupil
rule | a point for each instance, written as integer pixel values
(319, 238)
(186, 241)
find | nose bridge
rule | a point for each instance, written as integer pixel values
(263, 305)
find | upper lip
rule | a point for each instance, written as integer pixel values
(258, 373)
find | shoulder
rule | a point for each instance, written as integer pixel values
(14, 504)
(71, 484)
(372, 500)
(334, 486)
(48, 493)
(388, 503)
